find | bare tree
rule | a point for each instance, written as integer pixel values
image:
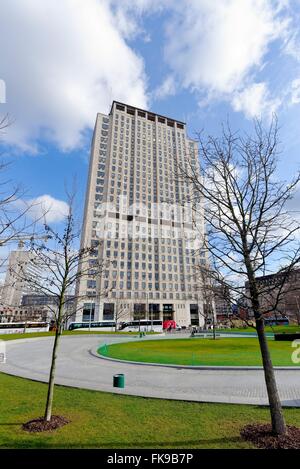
(15, 220)
(249, 229)
(121, 312)
(207, 289)
(297, 310)
(56, 267)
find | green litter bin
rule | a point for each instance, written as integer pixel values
(119, 381)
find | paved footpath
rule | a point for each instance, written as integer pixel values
(79, 366)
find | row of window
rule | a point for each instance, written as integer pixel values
(143, 257)
(150, 295)
(143, 286)
(144, 275)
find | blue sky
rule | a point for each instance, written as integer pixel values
(201, 61)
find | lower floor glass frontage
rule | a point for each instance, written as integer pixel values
(184, 313)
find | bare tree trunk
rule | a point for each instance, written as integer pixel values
(62, 267)
(278, 422)
(214, 329)
(298, 312)
(277, 418)
(50, 394)
(49, 402)
(249, 228)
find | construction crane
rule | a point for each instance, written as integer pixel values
(22, 238)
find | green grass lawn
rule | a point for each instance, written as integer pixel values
(222, 351)
(49, 334)
(275, 329)
(104, 420)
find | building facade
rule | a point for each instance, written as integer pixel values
(140, 220)
(23, 313)
(49, 304)
(20, 265)
(279, 295)
(222, 304)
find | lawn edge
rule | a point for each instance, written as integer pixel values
(95, 353)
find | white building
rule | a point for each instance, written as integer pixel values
(19, 265)
(134, 219)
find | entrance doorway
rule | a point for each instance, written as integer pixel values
(154, 312)
(168, 312)
(139, 311)
(194, 313)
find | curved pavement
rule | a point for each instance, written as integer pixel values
(79, 366)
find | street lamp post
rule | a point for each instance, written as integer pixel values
(117, 312)
(152, 320)
(90, 319)
(147, 310)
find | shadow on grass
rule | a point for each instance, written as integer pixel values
(4, 424)
(176, 444)
(196, 443)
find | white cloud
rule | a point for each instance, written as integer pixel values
(71, 58)
(63, 61)
(2, 92)
(136, 8)
(215, 48)
(215, 44)
(45, 208)
(255, 101)
(167, 88)
(295, 91)
(128, 15)
(218, 49)
(292, 48)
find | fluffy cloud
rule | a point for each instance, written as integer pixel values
(62, 62)
(295, 91)
(216, 48)
(128, 14)
(45, 208)
(216, 44)
(255, 101)
(167, 88)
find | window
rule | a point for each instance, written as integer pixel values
(139, 311)
(108, 311)
(91, 283)
(88, 312)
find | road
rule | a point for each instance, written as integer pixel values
(80, 366)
